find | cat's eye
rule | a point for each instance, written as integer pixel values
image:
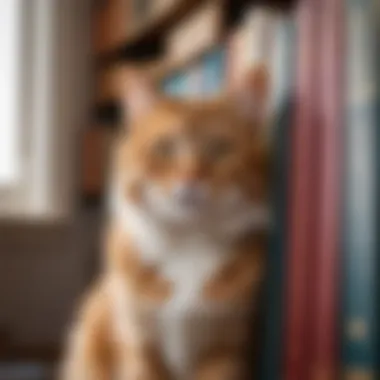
(164, 148)
(218, 148)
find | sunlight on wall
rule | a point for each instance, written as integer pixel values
(10, 21)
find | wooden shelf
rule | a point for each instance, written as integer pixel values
(146, 46)
(147, 41)
(110, 24)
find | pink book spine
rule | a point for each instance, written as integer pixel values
(324, 333)
(302, 195)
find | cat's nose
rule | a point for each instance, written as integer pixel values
(190, 193)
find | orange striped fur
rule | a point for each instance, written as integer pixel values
(185, 243)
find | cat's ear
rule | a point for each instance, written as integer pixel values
(138, 95)
(251, 94)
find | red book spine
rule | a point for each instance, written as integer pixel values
(302, 195)
(323, 333)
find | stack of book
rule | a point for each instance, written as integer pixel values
(322, 319)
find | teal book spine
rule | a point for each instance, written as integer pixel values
(169, 85)
(194, 81)
(175, 85)
(213, 78)
(282, 69)
(361, 256)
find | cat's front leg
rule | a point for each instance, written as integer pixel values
(143, 365)
(140, 359)
(135, 289)
(89, 353)
(221, 364)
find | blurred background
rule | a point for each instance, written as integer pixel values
(62, 69)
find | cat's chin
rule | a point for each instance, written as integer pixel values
(228, 216)
(171, 210)
(231, 215)
(174, 214)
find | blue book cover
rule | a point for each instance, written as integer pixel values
(214, 75)
(282, 72)
(360, 317)
(194, 81)
(175, 84)
(168, 85)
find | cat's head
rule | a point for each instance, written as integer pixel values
(186, 162)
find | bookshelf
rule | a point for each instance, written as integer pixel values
(155, 41)
(144, 39)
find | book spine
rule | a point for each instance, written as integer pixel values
(175, 85)
(302, 193)
(260, 28)
(169, 86)
(251, 43)
(234, 58)
(196, 34)
(140, 10)
(213, 65)
(282, 89)
(323, 333)
(360, 319)
(194, 80)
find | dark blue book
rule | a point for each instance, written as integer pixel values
(361, 256)
(282, 72)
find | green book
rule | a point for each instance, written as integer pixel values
(360, 317)
(283, 80)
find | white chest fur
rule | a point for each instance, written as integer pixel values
(189, 266)
(185, 325)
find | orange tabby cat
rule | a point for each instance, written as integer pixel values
(185, 246)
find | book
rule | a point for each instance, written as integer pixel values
(259, 31)
(251, 43)
(163, 6)
(323, 335)
(175, 84)
(282, 89)
(302, 195)
(203, 78)
(141, 11)
(235, 64)
(198, 33)
(213, 71)
(361, 315)
(194, 81)
(111, 25)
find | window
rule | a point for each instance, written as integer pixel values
(10, 40)
(44, 68)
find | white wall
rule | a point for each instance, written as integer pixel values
(43, 270)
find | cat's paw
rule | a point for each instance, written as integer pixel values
(220, 367)
(143, 370)
(142, 373)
